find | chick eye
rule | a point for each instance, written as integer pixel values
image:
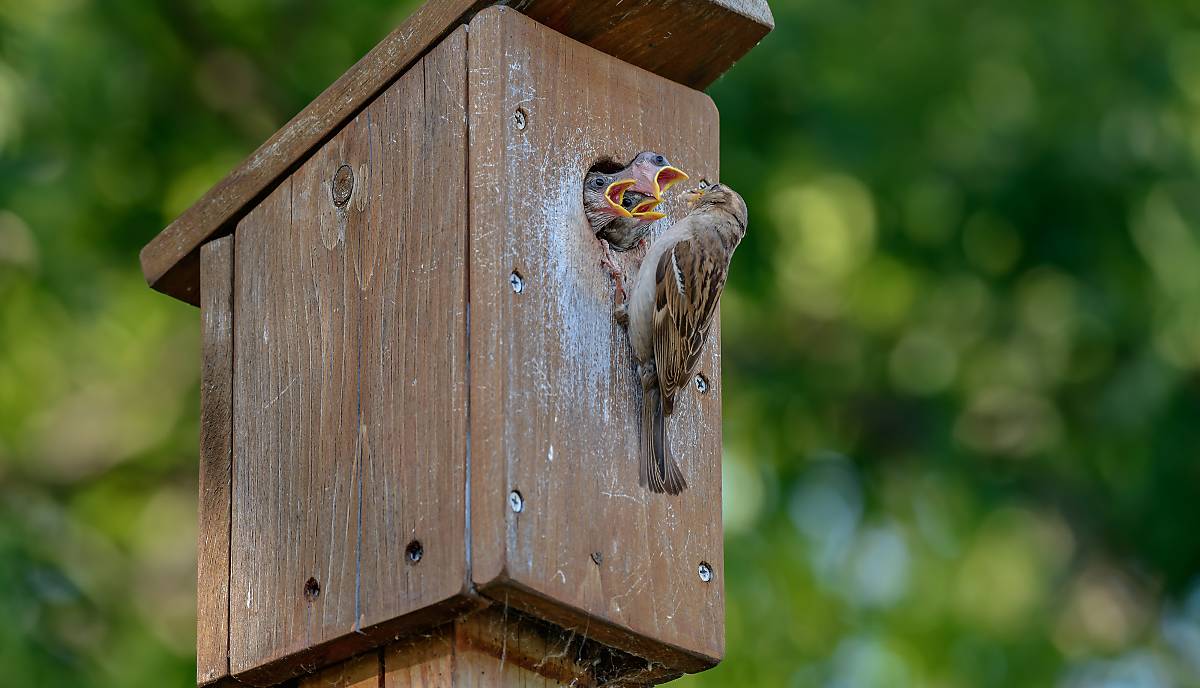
(626, 203)
(660, 160)
(598, 182)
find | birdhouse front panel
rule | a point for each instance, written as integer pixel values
(560, 524)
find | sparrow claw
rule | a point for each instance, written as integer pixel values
(648, 373)
(609, 261)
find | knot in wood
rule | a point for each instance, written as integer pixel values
(343, 185)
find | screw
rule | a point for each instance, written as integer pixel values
(702, 384)
(517, 282)
(414, 551)
(312, 589)
(597, 558)
(705, 571)
(520, 119)
(516, 502)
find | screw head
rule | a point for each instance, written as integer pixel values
(516, 502)
(701, 384)
(517, 282)
(312, 589)
(414, 552)
(597, 558)
(520, 119)
(705, 571)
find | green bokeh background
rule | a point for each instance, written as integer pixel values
(962, 337)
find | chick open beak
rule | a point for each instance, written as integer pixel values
(615, 193)
(645, 210)
(665, 178)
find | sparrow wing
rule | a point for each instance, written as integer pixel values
(688, 283)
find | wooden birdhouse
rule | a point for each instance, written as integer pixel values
(419, 424)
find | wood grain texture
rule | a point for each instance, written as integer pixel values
(361, 672)
(690, 41)
(216, 453)
(501, 647)
(350, 446)
(425, 661)
(554, 401)
(498, 646)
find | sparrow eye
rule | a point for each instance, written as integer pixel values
(703, 183)
(660, 160)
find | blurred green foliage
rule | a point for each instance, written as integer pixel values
(961, 339)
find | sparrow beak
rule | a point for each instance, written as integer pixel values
(693, 196)
(615, 193)
(650, 216)
(645, 210)
(665, 178)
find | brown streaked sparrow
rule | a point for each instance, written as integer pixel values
(672, 301)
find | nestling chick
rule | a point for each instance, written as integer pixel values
(671, 305)
(618, 217)
(654, 174)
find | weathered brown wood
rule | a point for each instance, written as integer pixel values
(554, 402)
(350, 454)
(216, 451)
(501, 647)
(425, 661)
(361, 672)
(690, 41)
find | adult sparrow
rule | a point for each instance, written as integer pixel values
(672, 301)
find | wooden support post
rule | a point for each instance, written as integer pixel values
(419, 420)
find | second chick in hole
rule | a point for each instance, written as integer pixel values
(619, 216)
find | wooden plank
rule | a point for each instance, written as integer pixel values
(363, 671)
(216, 452)
(690, 41)
(350, 447)
(502, 647)
(426, 661)
(414, 339)
(554, 400)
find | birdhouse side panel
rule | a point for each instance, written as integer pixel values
(216, 450)
(350, 395)
(560, 524)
